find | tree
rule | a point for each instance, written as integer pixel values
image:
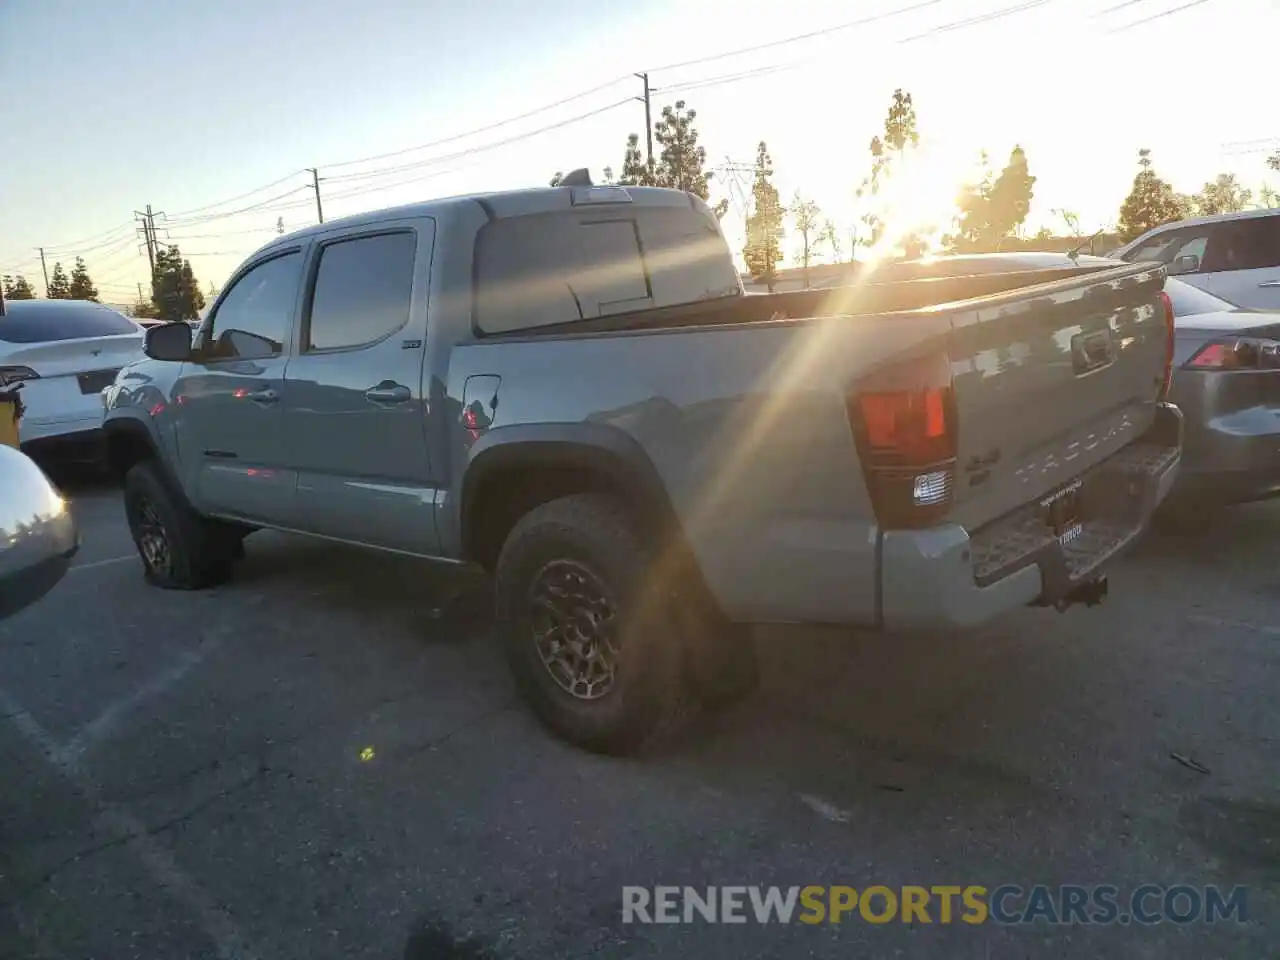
(17, 288)
(1222, 195)
(1011, 195)
(681, 161)
(831, 237)
(889, 156)
(174, 290)
(1150, 203)
(808, 220)
(763, 249)
(59, 286)
(82, 287)
(993, 210)
(1273, 161)
(144, 310)
(1071, 219)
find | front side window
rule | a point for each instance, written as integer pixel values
(1250, 244)
(362, 292)
(252, 321)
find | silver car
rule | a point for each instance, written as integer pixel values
(1227, 382)
(37, 533)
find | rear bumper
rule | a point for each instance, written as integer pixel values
(1232, 462)
(33, 428)
(83, 446)
(947, 577)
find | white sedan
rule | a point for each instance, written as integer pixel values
(64, 352)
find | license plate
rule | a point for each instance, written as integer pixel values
(96, 381)
(1061, 512)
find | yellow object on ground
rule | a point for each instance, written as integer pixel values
(8, 422)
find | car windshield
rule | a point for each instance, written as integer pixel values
(1188, 301)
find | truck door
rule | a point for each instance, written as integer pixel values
(354, 412)
(228, 420)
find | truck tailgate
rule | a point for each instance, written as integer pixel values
(1051, 380)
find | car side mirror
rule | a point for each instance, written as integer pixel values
(168, 341)
(37, 533)
(1188, 263)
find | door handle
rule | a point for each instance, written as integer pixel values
(388, 391)
(264, 397)
(1270, 283)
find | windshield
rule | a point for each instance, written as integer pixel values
(1188, 301)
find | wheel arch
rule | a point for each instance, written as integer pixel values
(515, 469)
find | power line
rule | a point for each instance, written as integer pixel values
(237, 197)
(206, 218)
(384, 171)
(1119, 6)
(794, 64)
(485, 129)
(1158, 16)
(974, 21)
(825, 31)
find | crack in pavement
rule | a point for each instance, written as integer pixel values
(89, 852)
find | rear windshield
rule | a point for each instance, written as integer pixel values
(543, 269)
(46, 320)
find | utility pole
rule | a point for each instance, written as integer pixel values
(44, 267)
(648, 119)
(315, 184)
(149, 236)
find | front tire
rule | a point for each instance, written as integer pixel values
(180, 550)
(589, 624)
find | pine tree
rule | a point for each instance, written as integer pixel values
(889, 155)
(17, 288)
(635, 171)
(82, 287)
(763, 250)
(59, 286)
(1151, 202)
(992, 210)
(174, 290)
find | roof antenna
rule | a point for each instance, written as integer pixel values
(577, 178)
(1074, 252)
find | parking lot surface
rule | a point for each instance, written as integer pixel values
(311, 763)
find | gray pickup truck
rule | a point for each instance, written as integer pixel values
(569, 388)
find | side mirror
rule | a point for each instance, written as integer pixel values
(37, 533)
(1188, 263)
(168, 341)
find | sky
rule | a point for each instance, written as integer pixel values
(211, 112)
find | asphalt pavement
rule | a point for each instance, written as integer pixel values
(311, 762)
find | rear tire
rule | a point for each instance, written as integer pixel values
(589, 623)
(180, 550)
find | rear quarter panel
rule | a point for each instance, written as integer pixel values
(746, 427)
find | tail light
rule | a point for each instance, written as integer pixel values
(904, 421)
(1170, 336)
(16, 375)
(1237, 353)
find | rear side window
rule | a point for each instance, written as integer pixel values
(1250, 244)
(543, 269)
(49, 320)
(253, 318)
(362, 292)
